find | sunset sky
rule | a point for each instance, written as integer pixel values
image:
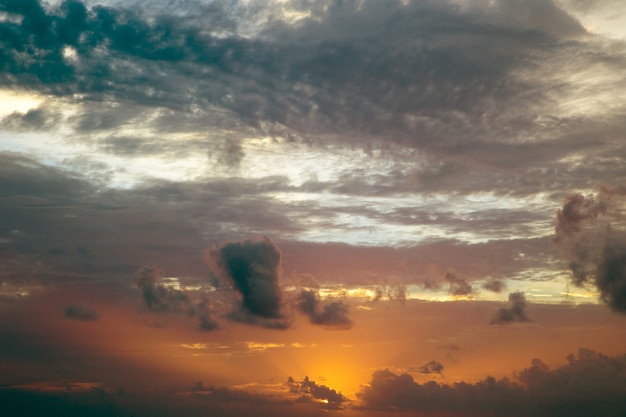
(313, 207)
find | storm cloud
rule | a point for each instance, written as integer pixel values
(253, 268)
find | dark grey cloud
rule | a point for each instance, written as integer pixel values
(59, 223)
(80, 312)
(589, 384)
(253, 267)
(515, 313)
(310, 390)
(590, 235)
(457, 285)
(466, 85)
(158, 297)
(494, 285)
(329, 313)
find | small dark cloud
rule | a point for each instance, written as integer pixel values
(206, 321)
(311, 391)
(158, 297)
(432, 367)
(253, 267)
(457, 285)
(329, 313)
(515, 313)
(494, 285)
(81, 312)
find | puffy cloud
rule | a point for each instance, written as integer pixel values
(253, 268)
(329, 313)
(310, 391)
(390, 391)
(515, 313)
(158, 297)
(81, 312)
(592, 384)
(590, 234)
(457, 285)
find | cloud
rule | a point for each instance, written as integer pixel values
(432, 367)
(39, 119)
(515, 313)
(227, 395)
(253, 268)
(588, 385)
(206, 321)
(310, 391)
(158, 297)
(457, 286)
(81, 312)
(394, 291)
(333, 314)
(590, 235)
(494, 285)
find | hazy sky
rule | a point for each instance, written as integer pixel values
(294, 207)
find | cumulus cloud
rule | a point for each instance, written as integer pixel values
(329, 313)
(81, 312)
(158, 297)
(515, 313)
(253, 268)
(590, 233)
(457, 285)
(590, 384)
(311, 391)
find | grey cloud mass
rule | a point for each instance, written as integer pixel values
(589, 384)
(452, 127)
(591, 236)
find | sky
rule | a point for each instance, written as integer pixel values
(313, 207)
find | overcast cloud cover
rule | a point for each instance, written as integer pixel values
(286, 165)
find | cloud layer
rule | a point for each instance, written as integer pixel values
(590, 383)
